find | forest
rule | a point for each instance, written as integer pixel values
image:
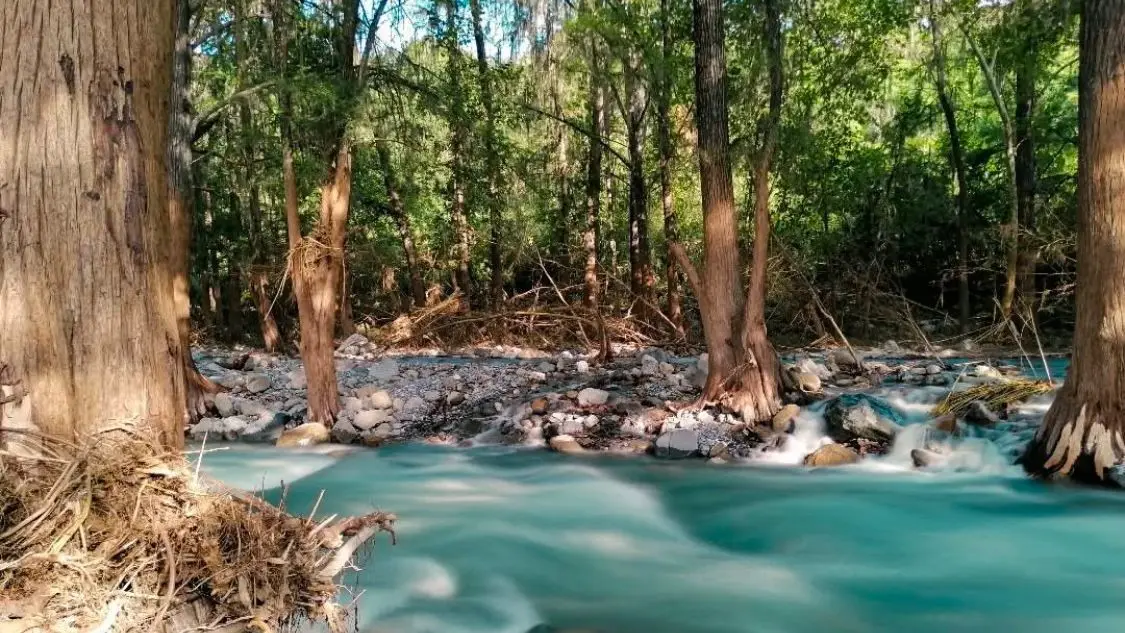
(862, 236)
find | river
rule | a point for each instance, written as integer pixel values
(504, 540)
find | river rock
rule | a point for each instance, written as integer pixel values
(987, 371)
(831, 455)
(946, 423)
(353, 404)
(861, 416)
(257, 383)
(582, 367)
(343, 432)
(540, 406)
(923, 458)
(590, 397)
(224, 404)
(979, 414)
(380, 400)
(933, 370)
(414, 404)
(565, 444)
(677, 444)
(844, 359)
(810, 366)
(454, 398)
(380, 432)
(784, 419)
(366, 420)
(308, 434)
(267, 428)
(298, 380)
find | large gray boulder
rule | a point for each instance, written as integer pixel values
(678, 444)
(860, 416)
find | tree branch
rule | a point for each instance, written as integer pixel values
(681, 257)
(581, 130)
(207, 120)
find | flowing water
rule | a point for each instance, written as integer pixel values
(496, 540)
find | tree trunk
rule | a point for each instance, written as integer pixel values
(596, 111)
(492, 163)
(1081, 435)
(181, 203)
(1026, 70)
(641, 278)
(667, 157)
(743, 368)
(88, 323)
(458, 148)
(402, 222)
(957, 162)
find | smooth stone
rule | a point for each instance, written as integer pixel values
(924, 459)
(380, 400)
(344, 433)
(842, 356)
(980, 415)
(831, 455)
(590, 397)
(677, 444)
(258, 383)
(540, 406)
(365, 420)
(565, 444)
(308, 434)
(861, 416)
(784, 420)
(454, 398)
(582, 367)
(224, 404)
(353, 404)
(267, 429)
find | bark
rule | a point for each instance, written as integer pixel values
(1081, 435)
(743, 368)
(641, 279)
(1027, 69)
(667, 158)
(402, 223)
(492, 162)
(458, 147)
(88, 322)
(957, 162)
(595, 105)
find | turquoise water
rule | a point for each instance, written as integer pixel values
(500, 540)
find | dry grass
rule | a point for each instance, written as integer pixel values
(120, 536)
(996, 395)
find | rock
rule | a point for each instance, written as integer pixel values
(366, 420)
(267, 428)
(298, 380)
(540, 406)
(380, 400)
(224, 404)
(231, 380)
(582, 367)
(308, 434)
(810, 366)
(454, 398)
(933, 370)
(634, 427)
(946, 423)
(806, 382)
(980, 415)
(987, 371)
(649, 366)
(924, 459)
(667, 368)
(354, 341)
(590, 397)
(414, 404)
(565, 444)
(938, 380)
(258, 383)
(861, 416)
(353, 404)
(344, 433)
(567, 424)
(831, 455)
(718, 450)
(381, 432)
(431, 395)
(843, 358)
(383, 370)
(784, 420)
(969, 345)
(545, 367)
(891, 346)
(677, 444)
(537, 376)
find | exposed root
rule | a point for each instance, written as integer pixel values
(120, 536)
(996, 395)
(1076, 441)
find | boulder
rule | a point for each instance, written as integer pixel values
(257, 383)
(298, 380)
(590, 397)
(923, 458)
(381, 432)
(267, 428)
(784, 419)
(805, 382)
(354, 342)
(831, 455)
(677, 444)
(344, 433)
(353, 404)
(565, 444)
(540, 406)
(861, 416)
(308, 434)
(224, 404)
(946, 423)
(650, 366)
(582, 367)
(366, 420)
(380, 400)
(979, 414)
(987, 371)
(843, 358)
(810, 366)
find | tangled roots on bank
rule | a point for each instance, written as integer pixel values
(997, 396)
(119, 536)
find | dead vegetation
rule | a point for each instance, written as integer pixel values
(997, 396)
(119, 536)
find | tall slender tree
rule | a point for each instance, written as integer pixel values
(491, 159)
(743, 369)
(459, 139)
(667, 158)
(1081, 435)
(595, 109)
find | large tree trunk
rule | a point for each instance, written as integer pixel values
(458, 146)
(596, 112)
(1027, 69)
(492, 163)
(402, 222)
(667, 157)
(743, 368)
(641, 278)
(1081, 435)
(957, 162)
(88, 324)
